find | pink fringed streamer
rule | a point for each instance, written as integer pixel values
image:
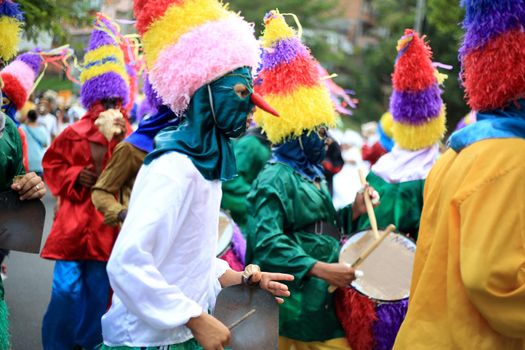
(357, 315)
(343, 102)
(236, 254)
(232, 260)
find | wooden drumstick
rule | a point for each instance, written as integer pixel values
(390, 229)
(369, 205)
(242, 319)
(373, 246)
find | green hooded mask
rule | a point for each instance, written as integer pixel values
(215, 115)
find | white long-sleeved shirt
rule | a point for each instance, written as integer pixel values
(163, 268)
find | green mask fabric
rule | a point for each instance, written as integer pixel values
(215, 115)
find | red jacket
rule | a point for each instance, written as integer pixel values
(78, 231)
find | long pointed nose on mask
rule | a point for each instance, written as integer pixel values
(259, 101)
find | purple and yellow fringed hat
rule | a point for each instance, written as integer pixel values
(416, 104)
(493, 53)
(189, 43)
(19, 78)
(104, 74)
(290, 81)
(11, 21)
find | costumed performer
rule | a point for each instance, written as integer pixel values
(111, 193)
(252, 151)
(292, 221)
(79, 241)
(19, 79)
(163, 268)
(418, 125)
(468, 284)
(29, 186)
(399, 178)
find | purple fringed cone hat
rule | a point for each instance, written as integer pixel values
(104, 75)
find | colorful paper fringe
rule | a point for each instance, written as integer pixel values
(104, 74)
(470, 118)
(493, 53)
(291, 82)
(20, 76)
(11, 22)
(367, 325)
(235, 256)
(189, 43)
(416, 104)
(342, 99)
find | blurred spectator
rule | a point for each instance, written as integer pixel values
(333, 162)
(346, 183)
(45, 118)
(37, 142)
(372, 149)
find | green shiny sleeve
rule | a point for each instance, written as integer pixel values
(269, 246)
(344, 220)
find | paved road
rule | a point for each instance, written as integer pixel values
(28, 288)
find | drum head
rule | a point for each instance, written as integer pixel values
(225, 233)
(387, 271)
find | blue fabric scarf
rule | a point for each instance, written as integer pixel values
(306, 159)
(143, 138)
(498, 124)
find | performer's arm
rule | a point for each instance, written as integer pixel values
(348, 216)
(272, 248)
(492, 253)
(60, 174)
(122, 166)
(148, 233)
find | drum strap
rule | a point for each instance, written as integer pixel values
(323, 228)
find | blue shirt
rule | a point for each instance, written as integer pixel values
(37, 143)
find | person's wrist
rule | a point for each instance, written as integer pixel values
(194, 322)
(248, 272)
(318, 269)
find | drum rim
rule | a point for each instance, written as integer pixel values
(228, 232)
(377, 301)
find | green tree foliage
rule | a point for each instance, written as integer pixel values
(52, 16)
(311, 12)
(371, 69)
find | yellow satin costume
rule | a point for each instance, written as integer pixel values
(468, 287)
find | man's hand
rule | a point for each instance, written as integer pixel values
(209, 332)
(87, 178)
(339, 275)
(121, 124)
(268, 281)
(359, 206)
(29, 187)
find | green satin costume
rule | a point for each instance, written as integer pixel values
(251, 155)
(281, 204)
(401, 205)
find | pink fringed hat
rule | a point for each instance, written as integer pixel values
(19, 77)
(189, 43)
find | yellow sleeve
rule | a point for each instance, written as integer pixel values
(492, 251)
